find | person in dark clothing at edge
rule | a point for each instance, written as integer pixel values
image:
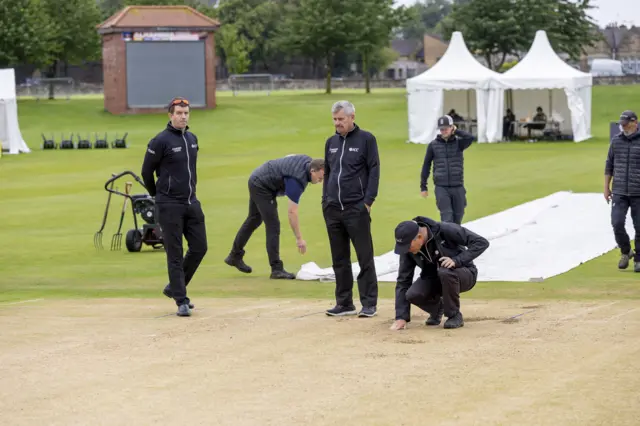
(352, 174)
(288, 176)
(623, 168)
(446, 154)
(172, 155)
(445, 253)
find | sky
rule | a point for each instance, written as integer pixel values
(625, 12)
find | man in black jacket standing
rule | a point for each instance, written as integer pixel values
(623, 168)
(288, 176)
(446, 154)
(172, 155)
(445, 253)
(352, 173)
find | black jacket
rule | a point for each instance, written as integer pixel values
(351, 169)
(444, 240)
(623, 163)
(447, 158)
(172, 156)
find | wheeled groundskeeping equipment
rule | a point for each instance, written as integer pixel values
(141, 204)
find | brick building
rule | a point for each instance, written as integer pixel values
(152, 53)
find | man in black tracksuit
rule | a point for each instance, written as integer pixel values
(288, 176)
(172, 155)
(352, 173)
(446, 154)
(623, 167)
(444, 252)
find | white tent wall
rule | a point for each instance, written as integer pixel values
(542, 70)
(10, 134)
(447, 85)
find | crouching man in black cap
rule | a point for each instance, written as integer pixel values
(444, 252)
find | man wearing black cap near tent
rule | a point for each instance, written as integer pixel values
(446, 154)
(622, 168)
(445, 253)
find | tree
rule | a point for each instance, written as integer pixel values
(373, 29)
(424, 17)
(497, 28)
(236, 49)
(256, 21)
(25, 33)
(318, 29)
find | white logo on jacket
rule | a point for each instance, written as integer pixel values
(354, 149)
(177, 149)
(333, 150)
(194, 145)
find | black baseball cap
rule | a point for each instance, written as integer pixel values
(405, 233)
(627, 116)
(445, 121)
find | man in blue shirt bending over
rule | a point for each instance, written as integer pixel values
(283, 176)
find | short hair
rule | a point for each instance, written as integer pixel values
(317, 164)
(346, 106)
(178, 101)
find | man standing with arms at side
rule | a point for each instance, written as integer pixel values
(352, 174)
(172, 155)
(288, 176)
(623, 168)
(445, 253)
(446, 152)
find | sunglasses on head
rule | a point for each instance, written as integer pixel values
(179, 102)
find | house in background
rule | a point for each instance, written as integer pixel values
(410, 61)
(434, 47)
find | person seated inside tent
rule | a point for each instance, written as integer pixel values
(539, 122)
(455, 116)
(508, 125)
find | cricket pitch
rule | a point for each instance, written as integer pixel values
(283, 362)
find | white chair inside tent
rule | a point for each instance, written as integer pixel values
(543, 79)
(10, 134)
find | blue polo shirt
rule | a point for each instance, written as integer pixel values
(293, 189)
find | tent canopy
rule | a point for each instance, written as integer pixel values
(10, 135)
(569, 89)
(456, 70)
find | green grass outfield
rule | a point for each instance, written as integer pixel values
(52, 201)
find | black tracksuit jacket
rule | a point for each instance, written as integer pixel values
(172, 156)
(444, 240)
(352, 169)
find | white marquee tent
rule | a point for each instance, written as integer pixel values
(10, 135)
(456, 81)
(543, 79)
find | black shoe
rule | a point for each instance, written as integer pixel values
(183, 311)
(624, 260)
(281, 274)
(455, 321)
(238, 263)
(636, 267)
(367, 312)
(437, 318)
(340, 311)
(167, 292)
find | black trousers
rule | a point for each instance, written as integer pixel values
(263, 207)
(175, 221)
(353, 224)
(451, 201)
(426, 293)
(619, 208)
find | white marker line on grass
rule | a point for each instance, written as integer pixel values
(623, 314)
(586, 311)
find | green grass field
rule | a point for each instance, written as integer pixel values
(52, 201)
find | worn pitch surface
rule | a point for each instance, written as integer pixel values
(283, 362)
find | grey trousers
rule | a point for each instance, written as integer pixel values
(451, 201)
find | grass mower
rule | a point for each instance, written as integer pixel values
(141, 204)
